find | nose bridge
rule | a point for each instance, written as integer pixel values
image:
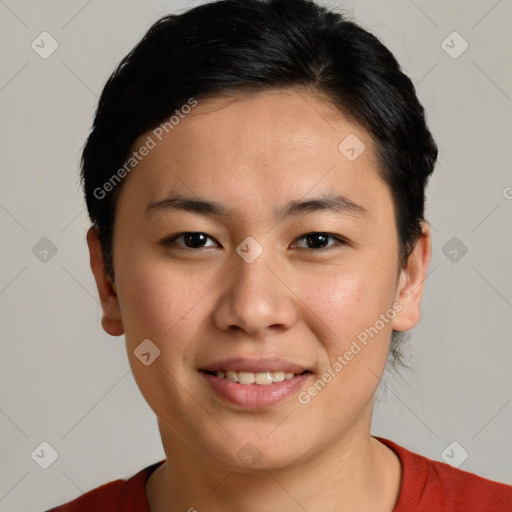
(251, 273)
(252, 278)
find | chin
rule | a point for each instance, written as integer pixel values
(246, 454)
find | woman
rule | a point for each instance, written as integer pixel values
(255, 177)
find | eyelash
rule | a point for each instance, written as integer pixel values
(339, 240)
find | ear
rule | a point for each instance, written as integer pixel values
(111, 320)
(412, 282)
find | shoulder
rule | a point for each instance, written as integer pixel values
(116, 496)
(429, 485)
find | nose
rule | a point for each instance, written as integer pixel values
(256, 300)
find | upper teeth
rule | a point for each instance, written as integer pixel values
(262, 378)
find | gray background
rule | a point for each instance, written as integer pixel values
(66, 382)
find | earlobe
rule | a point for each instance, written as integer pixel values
(412, 282)
(111, 320)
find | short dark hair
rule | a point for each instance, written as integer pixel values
(233, 46)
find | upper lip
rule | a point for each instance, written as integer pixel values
(254, 365)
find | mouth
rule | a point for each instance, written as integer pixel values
(251, 384)
(265, 378)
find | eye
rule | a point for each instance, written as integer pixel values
(191, 239)
(318, 240)
(197, 240)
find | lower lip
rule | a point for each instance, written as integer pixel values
(255, 396)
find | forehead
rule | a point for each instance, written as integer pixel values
(259, 150)
(286, 125)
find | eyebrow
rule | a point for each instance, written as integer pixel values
(326, 202)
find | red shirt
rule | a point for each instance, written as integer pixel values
(427, 486)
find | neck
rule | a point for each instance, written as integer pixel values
(359, 473)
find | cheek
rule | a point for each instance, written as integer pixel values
(349, 297)
(157, 299)
(349, 301)
(161, 303)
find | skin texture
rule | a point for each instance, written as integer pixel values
(199, 305)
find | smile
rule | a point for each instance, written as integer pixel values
(265, 378)
(248, 385)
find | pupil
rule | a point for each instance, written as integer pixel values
(318, 236)
(194, 238)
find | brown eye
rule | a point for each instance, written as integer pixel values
(320, 240)
(190, 240)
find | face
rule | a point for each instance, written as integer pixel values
(292, 269)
